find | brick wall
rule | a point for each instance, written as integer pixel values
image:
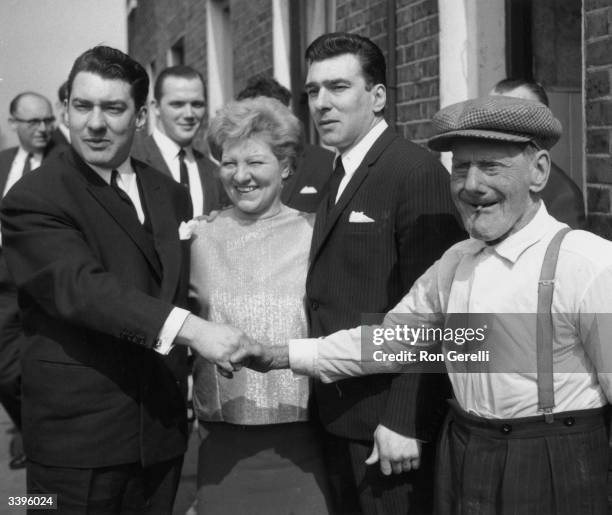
(598, 115)
(252, 34)
(416, 54)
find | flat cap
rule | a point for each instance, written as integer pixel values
(496, 118)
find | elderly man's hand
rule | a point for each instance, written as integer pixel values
(396, 453)
(261, 358)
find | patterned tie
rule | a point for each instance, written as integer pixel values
(27, 166)
(120, 192)
(334, 184)
(184, 175)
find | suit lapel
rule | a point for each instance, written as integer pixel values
(119, 211)
(154, 156)
(165, 232)
(324, 227)
(6, 162)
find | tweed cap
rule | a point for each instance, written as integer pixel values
(496, 118)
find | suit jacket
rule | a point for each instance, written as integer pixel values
(563, 198)
(305, 188)
(359, 268)
(145, 149)
(95, 288)
(6, 161)
(58, 138)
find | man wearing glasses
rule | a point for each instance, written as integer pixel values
(32, 119)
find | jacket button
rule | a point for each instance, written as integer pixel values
(506, 429)
(314, 305)
(569, 421)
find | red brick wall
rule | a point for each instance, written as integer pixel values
(252, 35)
(598, 115)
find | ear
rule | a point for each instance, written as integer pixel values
(155, 108)
(141, 118)
(285, 172)
(539, 171)
(13, 124)
(379, 93)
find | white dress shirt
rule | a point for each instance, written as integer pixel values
(352, 158)
(127, 182)
(472, 277)
(169, 151)
(17, 167)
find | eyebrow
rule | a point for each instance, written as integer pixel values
(105, 103)
(327, 83)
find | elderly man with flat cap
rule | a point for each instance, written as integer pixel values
(533, 438)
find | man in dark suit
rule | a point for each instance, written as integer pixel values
(387, 217)
(307, 185)
(32, 120)
(92, 242)
(179, 105)
(562, 196)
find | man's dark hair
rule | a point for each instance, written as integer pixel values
(339, 43)
(110, 63)
(261, 85)
(14, 105)
(62, 92)
(181, 70)
(505, 85)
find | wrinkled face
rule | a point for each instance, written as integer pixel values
(252, 177)
(341, 105)
(180, 109)
(102, 118)
(491, 184)
(33, 123)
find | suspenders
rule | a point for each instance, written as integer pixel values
(544, 339)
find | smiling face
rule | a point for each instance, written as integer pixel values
(180, 109)
(252, 177)
(343, 107)
(492, 185)
(102, 118)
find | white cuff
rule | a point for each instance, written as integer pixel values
(303, 356)
(171, 327)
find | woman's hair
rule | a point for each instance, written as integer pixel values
(264, 117)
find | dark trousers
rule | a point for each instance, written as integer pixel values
(121, 489)
(523, 466)
(357, 488)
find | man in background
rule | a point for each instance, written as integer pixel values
(179, 105)
(307, 185)
(61, 134)
(32, 119)
(562, 197)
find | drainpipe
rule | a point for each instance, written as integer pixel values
(391, 107)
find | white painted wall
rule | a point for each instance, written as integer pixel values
(39, 40)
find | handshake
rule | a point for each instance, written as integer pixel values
(229, 348)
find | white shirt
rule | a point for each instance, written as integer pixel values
(169, 151)
(17, 167)
(472, 277)
(128, 183)
(352, 158)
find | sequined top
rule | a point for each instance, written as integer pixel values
(252, 274)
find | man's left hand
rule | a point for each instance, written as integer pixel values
(397, 453)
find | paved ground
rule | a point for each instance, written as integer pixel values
(12, 482)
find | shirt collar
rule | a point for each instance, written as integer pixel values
(125, 169)
(22, 153)
(169, 149)
(353, 157)
(514, 245)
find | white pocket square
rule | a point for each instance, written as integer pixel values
(186, 229)
(308, 190)
(358, 217)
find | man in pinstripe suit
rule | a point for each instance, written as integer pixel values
(387, 217)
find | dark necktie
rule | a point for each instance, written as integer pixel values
(184, 175)
(334, 184)
(27, 166)
(122, 194)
